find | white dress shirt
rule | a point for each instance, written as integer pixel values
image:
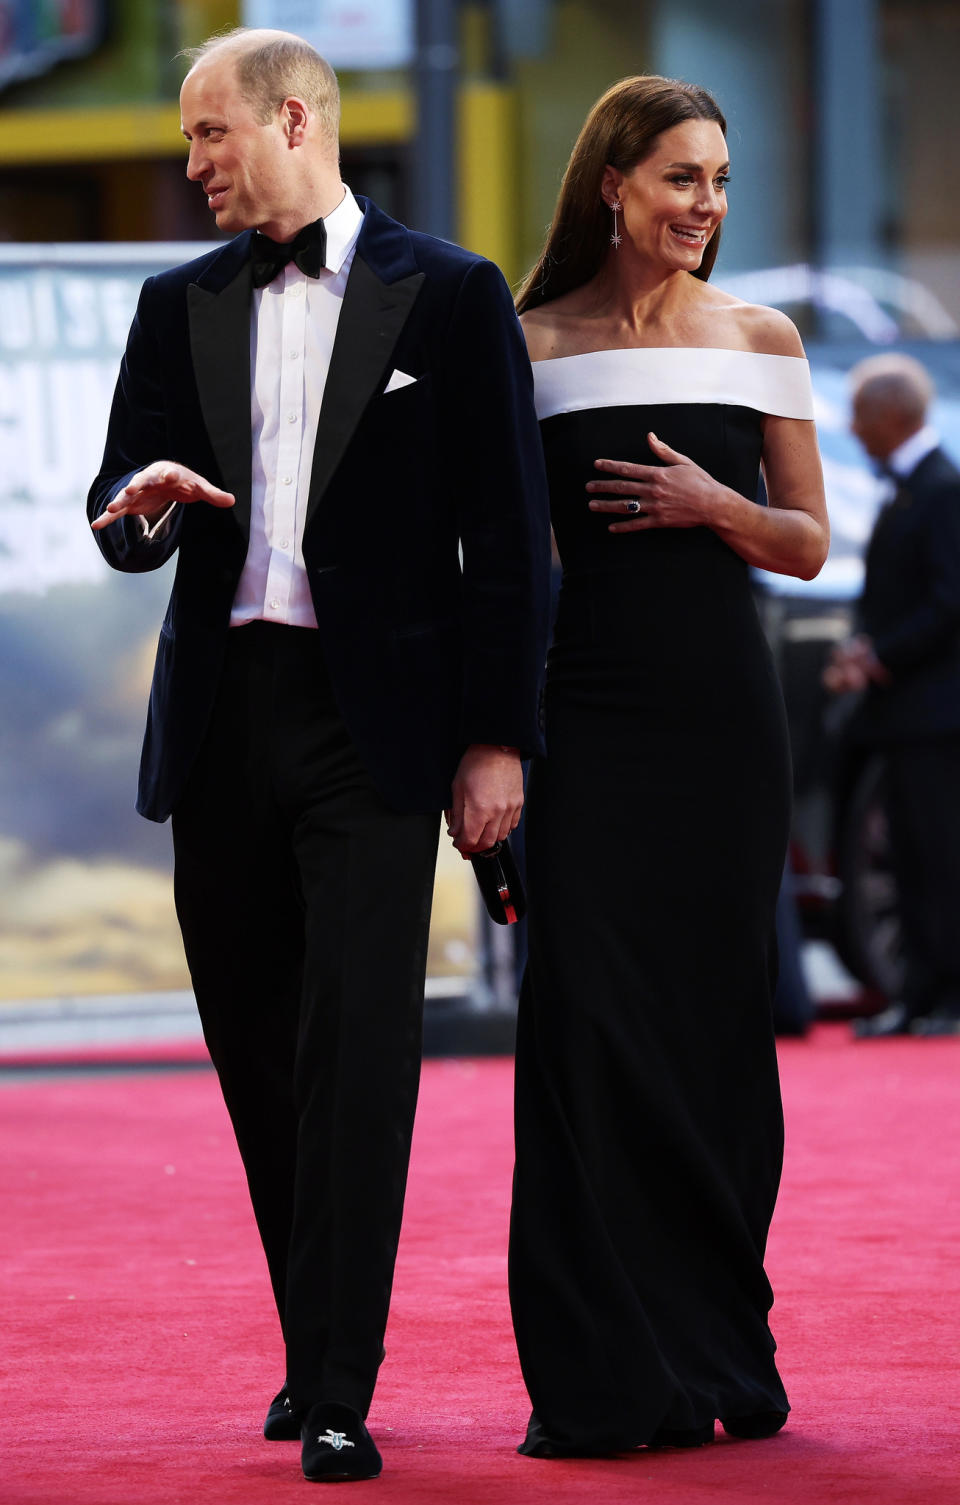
(293, 323)
(904, 460)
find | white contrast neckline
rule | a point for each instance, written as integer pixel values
(648, 375)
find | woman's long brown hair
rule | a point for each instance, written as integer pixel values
(620, 131)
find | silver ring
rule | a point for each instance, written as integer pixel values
(632, 505)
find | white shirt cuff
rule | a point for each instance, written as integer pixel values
(159, 528)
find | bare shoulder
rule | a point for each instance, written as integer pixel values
(766, 331)
(541, 332)
(556, 328)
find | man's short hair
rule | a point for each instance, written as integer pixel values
(894, 383)
(273, 66)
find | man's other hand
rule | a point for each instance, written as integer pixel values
(487, 798)
(853, 665)
(154, 490)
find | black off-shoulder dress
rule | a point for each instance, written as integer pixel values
(649, 1129)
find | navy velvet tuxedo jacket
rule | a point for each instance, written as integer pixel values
(425, 657)
(911, 607)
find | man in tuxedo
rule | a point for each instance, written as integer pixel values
(906, 661)
(330, 419)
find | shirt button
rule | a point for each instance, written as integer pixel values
(288, 480)
(294, 355)
(284, 543)
(294, 291)
(292, 417)
(274, 604)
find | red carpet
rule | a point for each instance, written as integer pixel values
(140, 1348)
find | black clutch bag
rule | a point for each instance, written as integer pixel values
(500, 884)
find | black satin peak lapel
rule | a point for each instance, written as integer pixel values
(371, 319)
(220, 347)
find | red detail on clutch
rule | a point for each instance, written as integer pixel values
(507, 902)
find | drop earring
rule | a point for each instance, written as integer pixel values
(616, 237)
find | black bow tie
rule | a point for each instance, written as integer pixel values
(307, 250)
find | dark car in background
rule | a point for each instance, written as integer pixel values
(844, 888)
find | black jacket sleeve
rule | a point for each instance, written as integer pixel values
(932, 624)
(494, 457)
(136, 436)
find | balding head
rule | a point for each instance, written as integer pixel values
(272, 66)
(890, 395)
(260, 110)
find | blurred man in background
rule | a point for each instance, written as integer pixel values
(905, 660)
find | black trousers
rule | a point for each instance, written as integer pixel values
(304, 903)
(923, 808)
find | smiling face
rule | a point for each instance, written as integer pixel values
(674, 200)
(247, 167)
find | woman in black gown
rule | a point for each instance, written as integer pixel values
(648, 1117)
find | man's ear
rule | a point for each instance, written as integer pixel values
(296, 118)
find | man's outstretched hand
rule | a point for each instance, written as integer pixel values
(152, 491)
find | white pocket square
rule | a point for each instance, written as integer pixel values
(398, 379)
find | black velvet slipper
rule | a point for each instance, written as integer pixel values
(282, 1423)
(337, 1446)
